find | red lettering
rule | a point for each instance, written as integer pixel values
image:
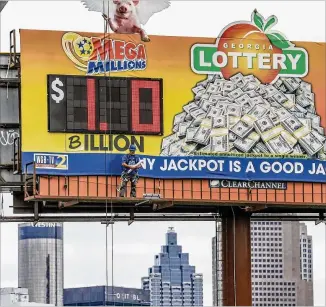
(102, 49)
(119, 50)
(141, 52)
(130, 51)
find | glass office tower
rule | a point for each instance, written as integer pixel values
(172, 281)
(40, 261)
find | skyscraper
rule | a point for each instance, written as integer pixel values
(40, 262)
(171, 280)
(281, 253)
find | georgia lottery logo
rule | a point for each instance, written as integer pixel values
(98, 55)
(251, 47)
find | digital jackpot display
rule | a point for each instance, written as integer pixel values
(80, 104)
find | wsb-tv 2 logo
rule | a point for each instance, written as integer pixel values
(51, 161)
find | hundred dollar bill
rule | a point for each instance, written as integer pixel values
(306, 122)
(252, 94)
(245, 145)
(214, 112)
(318, 136)
(292, 124)
(270, 91)
(321, 155)
(272, 133)
(196, 122)
(297, 150)
(310, 144)
(198, 113)
(257, 100)
(315, 120)
(305, 86)
(219, 132)
(219, 82)
(233, 120)
(205, 104)
(191, 131)
(169, 140)
(311, 109)
(241, 84)
(215, 98)
(175, 128)
(202, 134)
(232, 136)
(233, 110)
(186, 149)
(261, 147)
(228, 87)
(213, 89)
(282, 114)
(179, 118)
(278, 145)
(300, 109)
(291, 84)
(206, 149)
(183, 129)
(237, 77)
(252, 79)
(264, 124)
(309, 96)
(320, 130)
(220, 121)
(221, 106)
(202, 95)
(246, 107)
(175, 147)
(219, 143)
(165, 152)
(242, 99)
(258, 111)
(261, 91)
(303, 101)
(297, 114)
(197, 89)
(292, 141)
(241, 129)
(236, 93)
(249, 86)
(190, 106)
(188, 118)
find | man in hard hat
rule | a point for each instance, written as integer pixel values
(130, 164)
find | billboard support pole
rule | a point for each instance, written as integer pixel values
(236, 249)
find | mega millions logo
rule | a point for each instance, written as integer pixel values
(251, 48)
(98, 55)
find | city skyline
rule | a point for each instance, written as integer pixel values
(281, 264)
(84, 243)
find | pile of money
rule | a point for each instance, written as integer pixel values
(242, 115)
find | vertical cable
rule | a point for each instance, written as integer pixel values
(107, 53)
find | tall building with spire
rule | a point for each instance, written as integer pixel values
(172, 281)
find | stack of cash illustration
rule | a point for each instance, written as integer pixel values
(242, 115)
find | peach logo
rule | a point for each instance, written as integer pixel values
(251, 48)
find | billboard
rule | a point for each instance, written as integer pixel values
(249, 105)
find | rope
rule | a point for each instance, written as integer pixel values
(107, 35)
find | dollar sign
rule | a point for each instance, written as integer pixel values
(55, 87)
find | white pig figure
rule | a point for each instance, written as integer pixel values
(127, 16)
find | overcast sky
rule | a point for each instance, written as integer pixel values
(135, 246)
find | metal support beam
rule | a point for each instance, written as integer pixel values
(236, 254)
(36, 215)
